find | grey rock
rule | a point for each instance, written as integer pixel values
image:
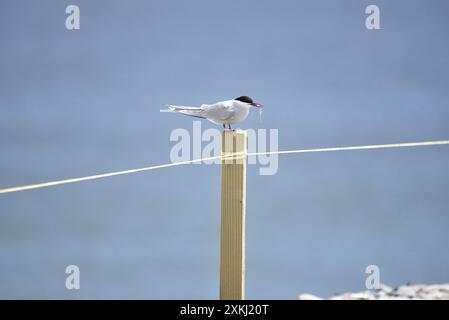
(405, 291)
(307, 296)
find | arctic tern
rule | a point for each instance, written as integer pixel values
(224, 112)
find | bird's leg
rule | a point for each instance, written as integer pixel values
(224, 126)
(229, 125)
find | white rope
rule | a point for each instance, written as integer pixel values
(375, 146)
(117, 173)
(99, 176)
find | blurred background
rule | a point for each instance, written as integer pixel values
(81, 102)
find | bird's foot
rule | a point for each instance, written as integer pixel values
(228, 128)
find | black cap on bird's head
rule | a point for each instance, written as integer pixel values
(248, 100)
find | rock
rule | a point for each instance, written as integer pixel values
(367, 295)
(392, 298)
(384, 288)
(345, 296)
(427, 296)
(405, 291)
(307, 296)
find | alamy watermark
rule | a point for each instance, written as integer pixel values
(72, 22)
(373, 280)
(372, 22)
(189, 146)
(73, 279)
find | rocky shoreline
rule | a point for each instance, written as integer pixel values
(406, 292)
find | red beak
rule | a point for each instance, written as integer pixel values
(257, 105)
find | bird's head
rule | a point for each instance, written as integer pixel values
(249, 101)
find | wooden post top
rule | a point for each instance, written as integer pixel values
(234, 146)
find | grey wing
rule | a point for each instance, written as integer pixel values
(218, 111)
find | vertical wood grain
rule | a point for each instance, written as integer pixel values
(233, 204)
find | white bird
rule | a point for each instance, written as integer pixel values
(224, 112)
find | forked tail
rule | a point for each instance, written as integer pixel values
(188, 111)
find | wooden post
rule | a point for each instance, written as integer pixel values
(233, 204)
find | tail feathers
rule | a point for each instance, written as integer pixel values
(188, 111)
